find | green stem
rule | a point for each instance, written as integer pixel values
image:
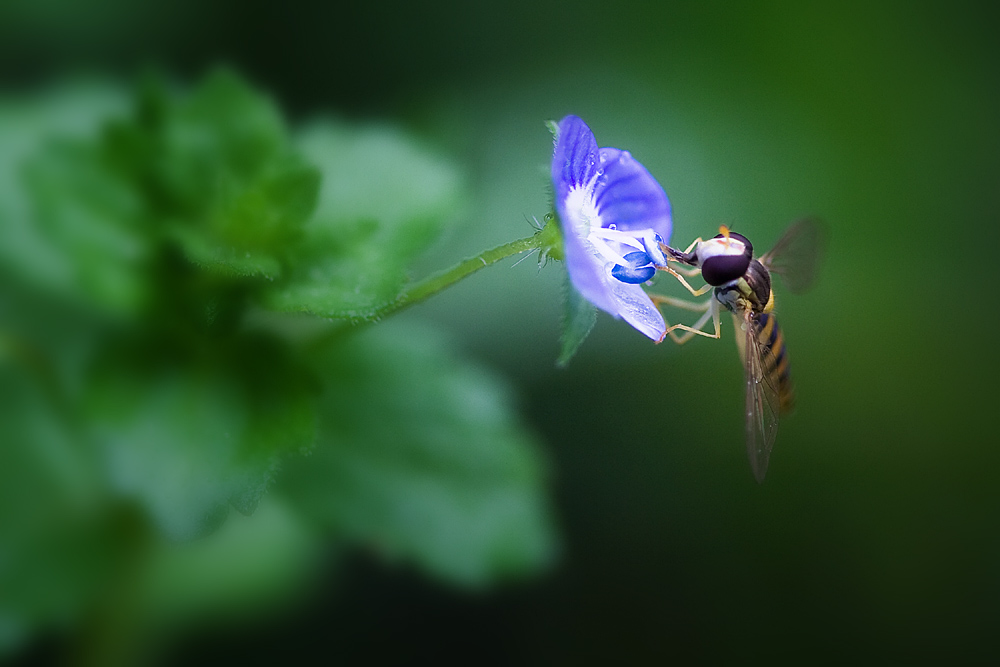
(547, 237)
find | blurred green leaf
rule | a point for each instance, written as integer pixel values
(420, 457)
(248, 565)
(92, 221)
(140, 399)
(188, 438)
(56, 542)
(384, 200)
(89, 202)
(248, 226)
(64, 219)
(218, 171)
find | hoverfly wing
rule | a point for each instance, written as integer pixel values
(762, 398)
(796, 255)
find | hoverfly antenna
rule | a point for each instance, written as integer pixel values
(724, 232)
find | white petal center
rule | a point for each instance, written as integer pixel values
(608, 244)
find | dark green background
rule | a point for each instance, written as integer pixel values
(876, 532)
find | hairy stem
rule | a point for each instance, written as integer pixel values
(547, 237)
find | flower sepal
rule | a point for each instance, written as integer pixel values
(550, 240)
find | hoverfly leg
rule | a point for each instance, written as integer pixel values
(693, 244)
(696, 329)
(690, 273)
(694, 292)
(709, 310)
(692, 306)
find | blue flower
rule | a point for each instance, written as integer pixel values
(613, 215)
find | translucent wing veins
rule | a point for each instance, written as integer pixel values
(796, 255)
(762, 404)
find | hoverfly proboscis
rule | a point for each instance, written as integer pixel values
(742, 284)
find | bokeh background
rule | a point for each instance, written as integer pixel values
(877, 532)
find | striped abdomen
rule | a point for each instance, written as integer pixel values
(774, 359)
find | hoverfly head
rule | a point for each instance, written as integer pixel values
(724, 258)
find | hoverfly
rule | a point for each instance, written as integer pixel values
(742, 284)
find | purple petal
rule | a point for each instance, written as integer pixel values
(629, 197)
(632, 200)
(613, 296)
(586, 274)
(636, 308)
(574, 160)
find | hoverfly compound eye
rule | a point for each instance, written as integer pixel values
(722, 269)
(724, 259)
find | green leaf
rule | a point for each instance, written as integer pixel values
(421, 457)
(220, 170)
(67, 224)
(579, 319)
(384, 200)
(87, 206)
(92, 220)
(56, 544)
(188, 438)
(245, 567)
(247, 225)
